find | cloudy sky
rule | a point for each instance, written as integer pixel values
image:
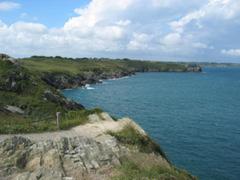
(196, 30)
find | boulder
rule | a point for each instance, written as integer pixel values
(5, 57)
(67, 104)
(14, 109)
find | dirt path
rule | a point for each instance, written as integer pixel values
(98, 125)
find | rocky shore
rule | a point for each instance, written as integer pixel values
(87, 144)
(65, 81)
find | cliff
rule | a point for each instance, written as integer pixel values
(87, 144)
(65, 73)
(101, 149)
(29, 88)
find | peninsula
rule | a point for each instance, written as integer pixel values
(87, 144)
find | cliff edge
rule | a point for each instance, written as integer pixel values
(86, 144)
(101, 149)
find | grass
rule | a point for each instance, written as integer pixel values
(11, 124)
(80, 65)
(130, 170)
(28, 93)
(74, 118)
(129, 136)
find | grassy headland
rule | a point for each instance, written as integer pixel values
(30, 98)
(29, 95)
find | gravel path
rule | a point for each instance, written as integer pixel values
(99, 126)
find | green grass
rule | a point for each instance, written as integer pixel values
(74, 118)
(29, 92)
(129, 136)
(78, 66)
(10, 124)
(130, 170)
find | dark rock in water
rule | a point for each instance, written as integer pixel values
(194, 68)
(67, 104)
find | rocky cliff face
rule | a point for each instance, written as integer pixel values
(68, 158)
(64, 81)
(194, 68)
(94, 151)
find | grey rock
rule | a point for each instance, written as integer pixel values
(67, 104)
(14, 109)
(63, 159)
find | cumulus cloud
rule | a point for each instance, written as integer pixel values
(224, 9)
(128, 28)
(139, 41)
(231, 52)
(8, 5)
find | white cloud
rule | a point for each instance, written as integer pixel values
(21, 27)
(8, 5)
(223, 9)
(231, 52)
(201, 45)
(139, 41)
(128, 28)
(172, 39)
(123, 22)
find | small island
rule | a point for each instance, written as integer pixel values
(86, 144)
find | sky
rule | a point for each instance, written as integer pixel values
(170, 30)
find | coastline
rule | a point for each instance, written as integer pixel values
(31, 98)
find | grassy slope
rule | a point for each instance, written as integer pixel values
(39, 113)
(29, 96)
(132, 166)
(78, 66)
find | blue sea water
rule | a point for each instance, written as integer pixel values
(195, 117)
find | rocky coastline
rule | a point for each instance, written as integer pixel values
(88, 144)
(65, 81)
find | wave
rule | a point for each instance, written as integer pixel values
(114, 79)
(88, 87)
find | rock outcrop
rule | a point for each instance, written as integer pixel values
(65, 81)
(15, 79)
(90, 151)
(5, 57)
(69, 158)
(194, 68)
(67, 104)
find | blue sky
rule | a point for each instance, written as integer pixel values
(52, 13)
(178, 30)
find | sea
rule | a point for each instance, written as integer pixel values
(195, 117)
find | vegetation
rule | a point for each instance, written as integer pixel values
(31, 84)
(129, 136)
(131, 169)
(29, 101)
(14, 123)
(80, 65)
